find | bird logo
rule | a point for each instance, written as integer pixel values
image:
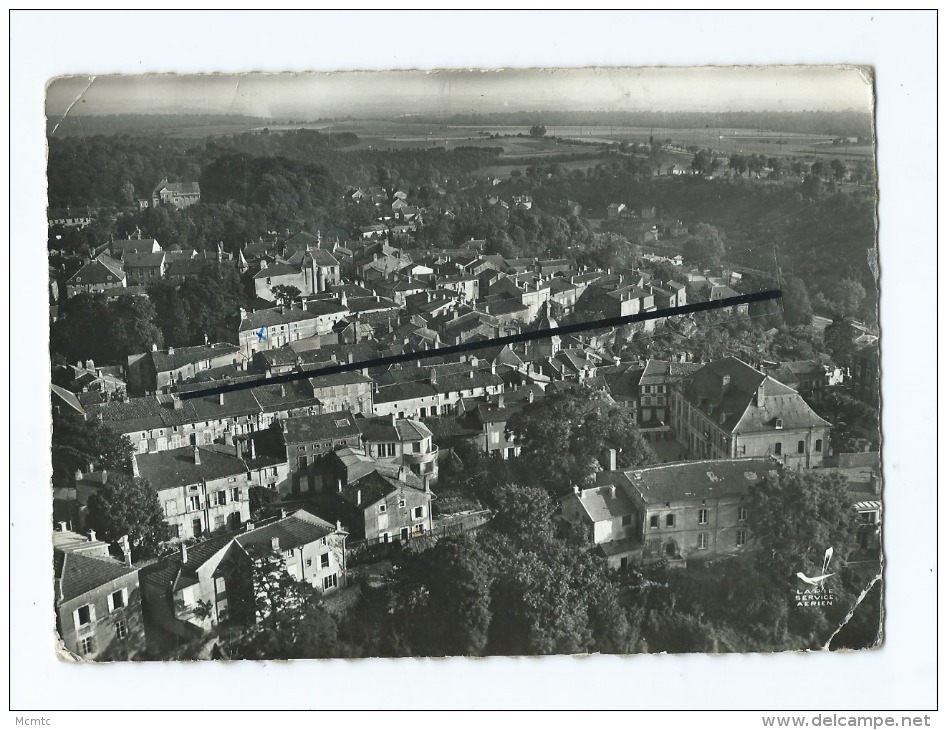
(818, 579)
(261, 334)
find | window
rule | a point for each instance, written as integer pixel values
(195, 502)
(87, 645)
(624, 563)
(654, 521)
(777, 448)
(401, 503)
(302, 462)
(220, 584)
(197, 527)
(175, 531)
(741, 514)
(324, 560)
(308, 562)
(170, 508)
(121, 629)
(669, 520)
(300, 448)
(654, 547)
(702, 516)
(701, 540)
(741, 538)
(235, 494)
(418, 512)
(818, 446)
(330, 581)
(221, 497)
(117, 600)
(801, 447)
(625, 520)
(218, 522)
(383, 508)
(84, 615)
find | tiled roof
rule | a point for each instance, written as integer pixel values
(270, 318)
(96, 272)
(77, 574)
(381, 430)
(299, 528)
(692, 480)
(186, 266)
(165, 360)
(301, 240)
(181, 188)
(322, 427)
(605, 502)
(143, 260)
(736, 399)
(444, 427)
(278, 268)
(404, 392)
(177, 467)
(378, 483)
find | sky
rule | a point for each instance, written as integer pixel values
(394, 93)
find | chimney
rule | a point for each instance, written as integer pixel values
(358, 498)
(62, 526)
(154, 347)
(183, 553)
(493, 368)
(282, 390)
(275, 543)
(394, 420)
(433, 376)
(339, 484)
(228, 438)
(873, 481)
(91, 535)
(338, 525)
(243, 316)
(760, 395)
(197, 456)
(126, 550)
(500, 401)
(252, 449)
(249, 527)
(611, 491)
(577, 491)
(612, 460)
(177, 404)
(170, 350)
(220, 398)
(530, 396)
(402, 473)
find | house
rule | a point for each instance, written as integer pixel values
(615, 211)
(394, 441)
(308, 440)
(522, 202)
(143, 268)
(96, 276)
(179, 194)
(654, 388)
(97, 599)
(201, 488)
(376, 230)
(69, 217)
(118, 249)
(224, 579)
(158, 370)
(807, 377)
(492, 416)
(715, 292)
(439, 393)
(695, 510)
(312, 271)
(267, 329)
(728, 409)
(866, 383)
(383, 504)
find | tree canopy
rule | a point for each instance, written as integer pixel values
(129, 506)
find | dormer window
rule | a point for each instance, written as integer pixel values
(779, 423)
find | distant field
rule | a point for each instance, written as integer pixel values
(384, 134)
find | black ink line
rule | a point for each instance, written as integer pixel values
(569, 329)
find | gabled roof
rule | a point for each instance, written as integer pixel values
(165, 360)
(298, 529)
(276, 269)
(177, 467)
(70, 399)
(404, 392)
(143, 260)
(78, 574)
(730, 386)
(97, 272)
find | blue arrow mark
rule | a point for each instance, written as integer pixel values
(261, 333)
